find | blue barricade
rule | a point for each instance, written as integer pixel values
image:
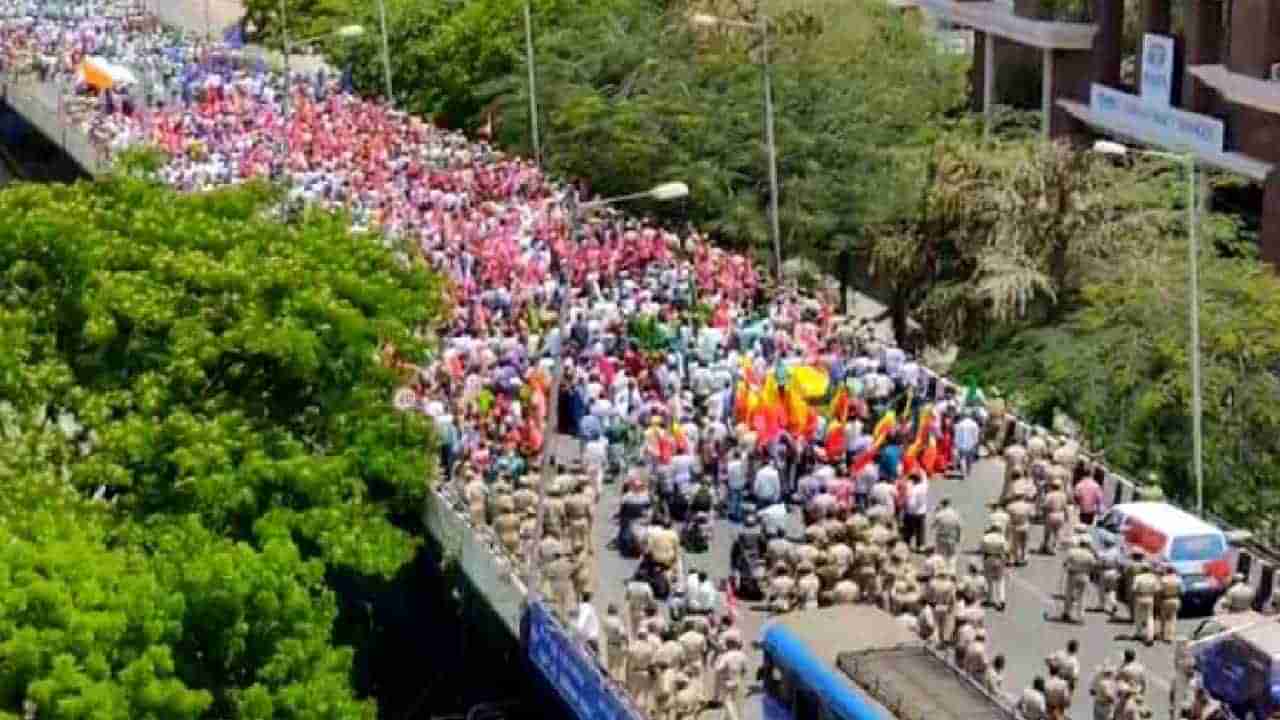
(575, 675)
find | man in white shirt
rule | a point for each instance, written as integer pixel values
(967, 435)
(768, 486)
(915, 511)
(586, 623)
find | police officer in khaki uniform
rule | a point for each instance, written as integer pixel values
(942, 591)
(995, 555)
(1170, 604)
(640, 670)
(1104, 693)
(807, 586)
(948, 529)
(688, 700)
(640, 599)
(1020, 510)
(1079, 565)
(1133, 672)
(1057, 694)
(731, 682)
(975, 656)
(1055, 517)
(845, 592)
(1238, 598)
(578, 515)
(615, 640)
(781, 589)
(1146, 586)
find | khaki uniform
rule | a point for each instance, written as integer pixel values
(1032, 705)
(1238, 598)
(578, 514)
(731, 684)
(640, 672)
(1170, 604)
(1055, 517)
(1135, 675)
(943, 591)
(995, 552)
(1145, 588)
(639, 600)
(781, 593)
(807, 588)
(477, 495)
(1019, 529)
(1104, 697)
(688, 700)
(1079, 565)
(615, 640)
(1057, 697)
(975, 659)
(507, 526)
(947, 531)
(845, 592)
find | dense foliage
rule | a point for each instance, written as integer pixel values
(195, 430)
(634, 94)
(1117, 362)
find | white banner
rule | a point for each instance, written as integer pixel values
(1157, 69)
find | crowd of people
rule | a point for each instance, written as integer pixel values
(687, 378)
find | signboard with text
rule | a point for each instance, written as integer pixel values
(1157, 69)
(575, 675)
(1157, 124)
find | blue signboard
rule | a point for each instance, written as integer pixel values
(576, 677)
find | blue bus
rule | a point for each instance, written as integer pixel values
(857, 662)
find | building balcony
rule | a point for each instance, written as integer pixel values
(999, 19)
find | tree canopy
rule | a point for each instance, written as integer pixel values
(195, 430)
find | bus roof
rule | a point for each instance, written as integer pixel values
(1166, 517)
(840, 648)
(846, 628)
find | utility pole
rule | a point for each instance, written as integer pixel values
(386, 53)
(770, 146)
(533, 86)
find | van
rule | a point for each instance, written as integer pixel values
(1238, 657)
(1165, 534)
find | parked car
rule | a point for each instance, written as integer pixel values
(1165, 534)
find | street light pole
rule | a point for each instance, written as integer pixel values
(284, 44)
(1188, 162)
(386, 53)
(533, 87)
(1197, 438)
(774, 231)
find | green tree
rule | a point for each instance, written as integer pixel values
(1118, 365)
(196, 431)
(1007, 232)
(633, 95)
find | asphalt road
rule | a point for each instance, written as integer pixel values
(1021, 633)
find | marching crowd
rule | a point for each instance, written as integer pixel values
(687, 379)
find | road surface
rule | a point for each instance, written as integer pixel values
(1021, 633)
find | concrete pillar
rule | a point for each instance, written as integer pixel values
(1046, 94)
(1203, 47)
(983, 49)
(988, 85)
(1107, 43)
(1269, 238)
(1255, 37)
(1072, 73)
